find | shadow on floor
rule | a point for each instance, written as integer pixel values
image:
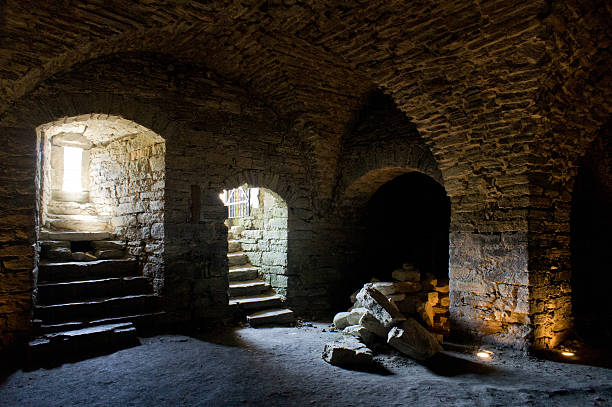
(586, 355)
(374, 368)
(226, 336)
(445, 364)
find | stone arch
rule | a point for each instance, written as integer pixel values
(265, 179)
(358, 192)
(299, 211)
(37, 110)
(123, 192)
(18, 125)
(381, 144)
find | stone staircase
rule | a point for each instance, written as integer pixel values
(75, 217)
(91, 296)
(249, 294)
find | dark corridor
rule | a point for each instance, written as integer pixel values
(591, 222)
(407, 221)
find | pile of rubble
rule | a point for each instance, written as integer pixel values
(410, 314)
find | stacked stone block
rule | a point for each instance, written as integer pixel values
(127, 181)
(264, 239)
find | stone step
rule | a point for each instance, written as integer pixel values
(234, 246)
(144, 321)
(75, 236)
(241, 273)
(249, 287)
(88, 341)
(235, 232)
(71, 208)
(57, 293)
(61, 250)
(109, 249)
(56, 250)
(96, 309)
(77, 223)
(108, 245)
(80, 271)
(237, 259)
(275, 316)
(256, 302)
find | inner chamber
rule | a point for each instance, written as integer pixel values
(407, 222)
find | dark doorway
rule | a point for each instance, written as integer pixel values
(407, 221)
(591, 247)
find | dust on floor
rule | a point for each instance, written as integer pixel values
(283, 367)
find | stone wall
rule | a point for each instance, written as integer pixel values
(488, 268)
(505, 96)
(18, 186)
(264, 238)
(127, 182)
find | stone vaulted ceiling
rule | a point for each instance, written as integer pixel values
(465, 71)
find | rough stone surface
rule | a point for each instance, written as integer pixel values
(172, 374)
(362, 333)
(379, 306)
(264, 237)
(355, 315)
(347, 351)
(413, 340)
(341, 320)
(373, 325)
(497, 101)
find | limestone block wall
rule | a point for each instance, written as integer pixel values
(488, 253)
(127, 182)
(264, 238)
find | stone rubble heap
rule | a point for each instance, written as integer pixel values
(410, 314)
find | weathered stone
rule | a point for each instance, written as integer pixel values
(341, 320)
(54, 244)
(81, 256)
(108, 245)
(499, 139)
(362, 333)
(355, 315)
(413, 340)
(372, 324)
(444, 301)
(347, 352)
(109, 254)
(372, 299)
(426, 313)
(353, 296)
(59, 253)
(406, 275)
(442, 287)
(389, 288)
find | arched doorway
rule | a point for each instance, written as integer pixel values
(407, 222)
(591, 254)
(101, 234)
(257, 254)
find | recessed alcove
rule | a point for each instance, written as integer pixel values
(591, 254)
(407, 221)
(105, 174)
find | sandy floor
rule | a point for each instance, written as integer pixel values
(283, 367)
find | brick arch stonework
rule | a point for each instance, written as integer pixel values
(299, 234)
(18, 127)
(195, 285)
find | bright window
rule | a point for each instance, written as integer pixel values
(72, 169)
